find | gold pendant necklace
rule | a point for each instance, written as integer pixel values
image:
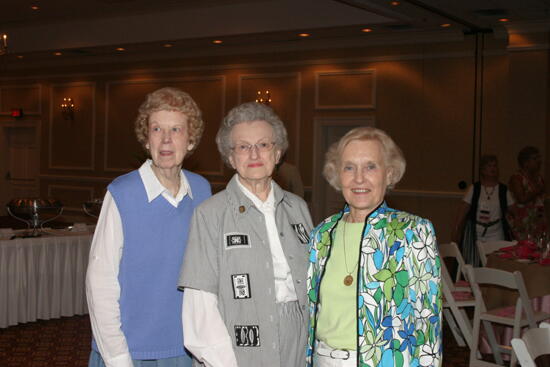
(348, 279)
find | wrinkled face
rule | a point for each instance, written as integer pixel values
(168, 138)
(490, 169)
(256, 163)
(363, 176)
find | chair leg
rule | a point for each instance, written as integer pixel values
(493, 342)
(475, 341)
(448, 316)
(515, 334)
(465, 326)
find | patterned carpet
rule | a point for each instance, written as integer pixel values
(65, 342)
(62, 342)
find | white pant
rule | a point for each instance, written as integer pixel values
(325, 356)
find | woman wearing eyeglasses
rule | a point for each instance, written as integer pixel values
(245, 265)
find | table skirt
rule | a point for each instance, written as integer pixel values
(43, 278)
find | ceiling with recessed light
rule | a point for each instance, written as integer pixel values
(100, 27)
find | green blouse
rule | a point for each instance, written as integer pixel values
(337, 323)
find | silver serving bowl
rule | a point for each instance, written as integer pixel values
(35, 211)
(93, 207)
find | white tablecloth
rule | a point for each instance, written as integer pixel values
(43, 277)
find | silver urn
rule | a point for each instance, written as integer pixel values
(35, 211)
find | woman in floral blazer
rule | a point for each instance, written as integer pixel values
(374, 274)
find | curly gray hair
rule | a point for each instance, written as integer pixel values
(393, 157)
(247, 112)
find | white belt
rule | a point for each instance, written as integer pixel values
(324, 350)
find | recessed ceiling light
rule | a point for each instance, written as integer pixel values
(304, 34)
(504, 20)
(120, 49)
(35, 7)
(217, 42)
(395, 3)
(20, 56)
(366, 30)
(167, 45)
(445, 25)
(57, 53)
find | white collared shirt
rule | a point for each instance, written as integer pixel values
(102, 287)
(284, 285)
(154, 188)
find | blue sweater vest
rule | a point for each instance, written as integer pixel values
(155, 236)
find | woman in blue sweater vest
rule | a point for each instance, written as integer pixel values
(137, 250)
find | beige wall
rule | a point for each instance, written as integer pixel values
(423, 95)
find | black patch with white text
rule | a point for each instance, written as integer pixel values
(241, 286)
(301, 232)
(233, 240)
(247, 335)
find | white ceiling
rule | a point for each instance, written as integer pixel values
(97, 27)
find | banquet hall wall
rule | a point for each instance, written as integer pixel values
(441, 109)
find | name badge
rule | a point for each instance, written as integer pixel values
(236, 240)
(241, 286)
(301, 232)
(247, 335)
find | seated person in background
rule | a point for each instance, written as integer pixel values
(482, 213)
(527, 187)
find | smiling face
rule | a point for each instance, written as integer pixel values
(364, 177)
(168, 139)
(253, 165)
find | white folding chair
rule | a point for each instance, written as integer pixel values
(517, 317)
(533, 343)
(487, 248)
(457, 295)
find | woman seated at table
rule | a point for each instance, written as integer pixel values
(482, 213)
(245, 265)
(137, 250)
(374, 274)
(528, 189)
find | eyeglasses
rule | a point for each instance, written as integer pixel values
(262, 147)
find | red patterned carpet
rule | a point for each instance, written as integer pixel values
(65, 342)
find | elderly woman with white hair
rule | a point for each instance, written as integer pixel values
(245, 264)
(374, 273)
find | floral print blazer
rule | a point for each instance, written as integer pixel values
(398, 289)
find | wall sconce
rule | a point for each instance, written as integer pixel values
(264, 98)
(3, 44)
(67, 108)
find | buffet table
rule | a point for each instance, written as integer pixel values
(43, 277)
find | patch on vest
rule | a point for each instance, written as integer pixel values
(247, 335)
(301, 232)
(235, 240)
(241, 286)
